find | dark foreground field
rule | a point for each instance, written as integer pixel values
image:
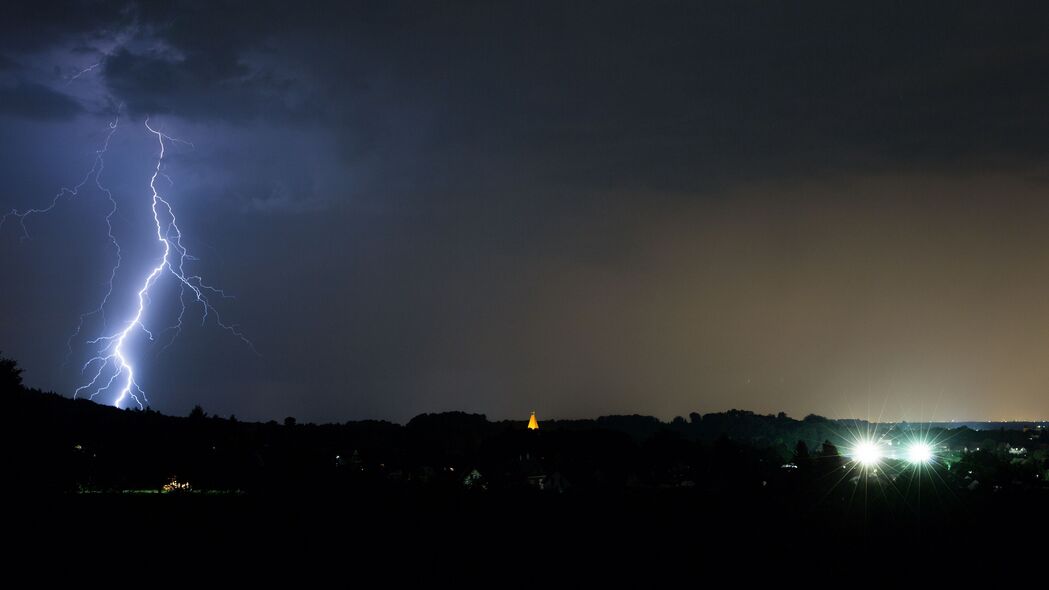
(646, 536)
(454, 496)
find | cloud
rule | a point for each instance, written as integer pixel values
(196, 87)
(38, 26)
(35, 101)
(671, 97)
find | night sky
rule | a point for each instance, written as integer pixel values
(574, 208)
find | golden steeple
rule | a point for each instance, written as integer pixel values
(533, 424)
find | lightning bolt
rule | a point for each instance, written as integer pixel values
(112, 364)
(112, 359)
(82, 72)
(95, 172)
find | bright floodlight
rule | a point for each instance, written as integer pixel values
(919, 452)
(867, 453)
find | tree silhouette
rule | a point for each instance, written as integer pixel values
(801, 451)
(828, 460)
(10, 374)
(828, 450)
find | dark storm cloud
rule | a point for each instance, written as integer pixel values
(197, 87)
(37, 26)
(35, 101)
(576, 89)
(600, 206)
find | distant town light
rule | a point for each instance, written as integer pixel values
(867, 453)
(919, 453)
(176, 486)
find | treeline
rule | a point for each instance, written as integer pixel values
(68, 445)
(59, 445)
(722, 480)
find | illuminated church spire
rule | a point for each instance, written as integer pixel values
(533, 424)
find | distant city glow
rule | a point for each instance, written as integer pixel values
(919, 453)
(867, 453)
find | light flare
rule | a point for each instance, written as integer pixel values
(919, 453)
(868, 453)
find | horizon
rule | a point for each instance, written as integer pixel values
(663, 420)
